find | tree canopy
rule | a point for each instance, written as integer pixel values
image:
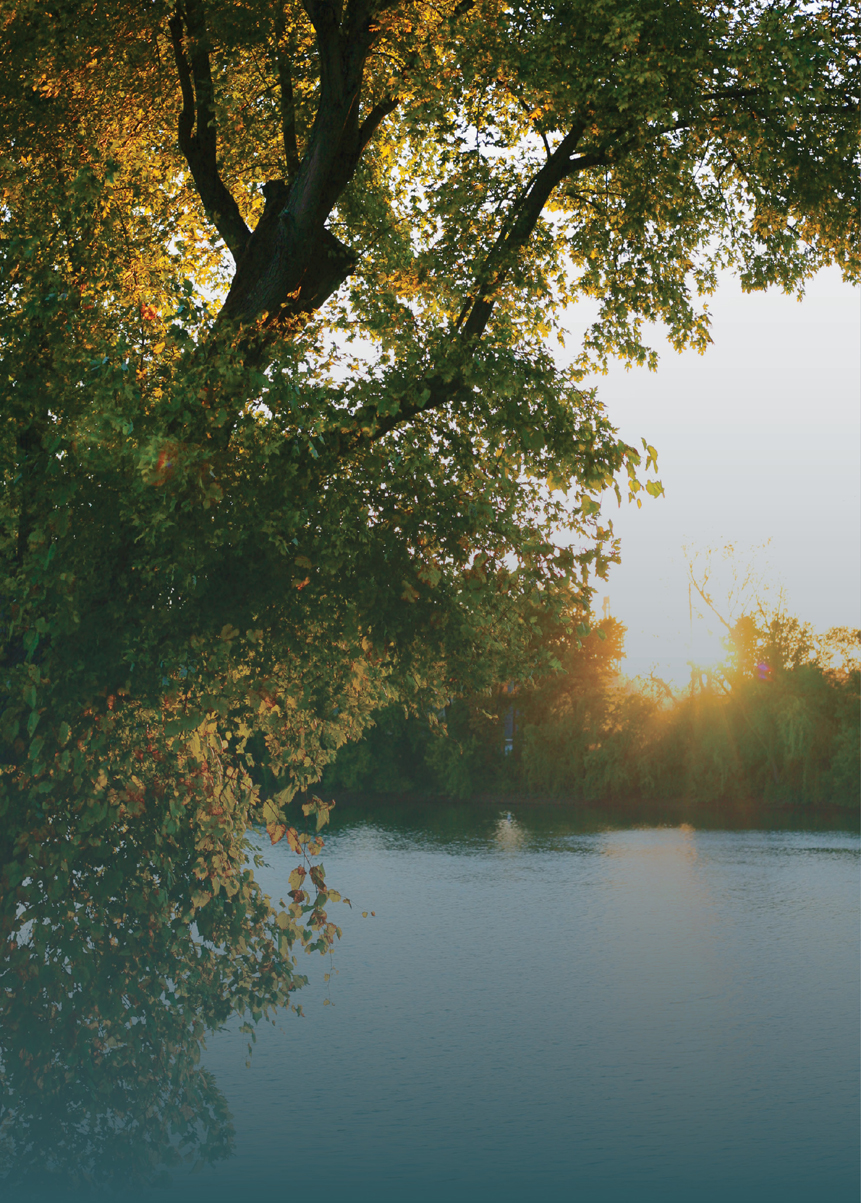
(283, 435)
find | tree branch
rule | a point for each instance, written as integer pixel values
(288, 103)
(196, 127)
(370, 124)
(292, 262)
(436, 390)
(517, 229)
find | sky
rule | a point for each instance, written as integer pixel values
(759, 439)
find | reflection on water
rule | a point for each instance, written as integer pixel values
(91, 1100)
(542, 1004)
(107, 991)
(101, 1033)
(508, 833)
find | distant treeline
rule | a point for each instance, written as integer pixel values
(776, 723)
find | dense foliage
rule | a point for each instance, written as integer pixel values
(776, 723)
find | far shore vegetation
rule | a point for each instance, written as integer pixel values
(775, 723)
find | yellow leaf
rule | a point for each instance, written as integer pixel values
(275, 831)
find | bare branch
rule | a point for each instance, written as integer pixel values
(436, 390)
(293, 263)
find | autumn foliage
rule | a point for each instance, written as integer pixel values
(283, 436)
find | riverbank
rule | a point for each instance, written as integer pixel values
(412, 807)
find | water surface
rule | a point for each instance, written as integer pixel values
(545, 1002)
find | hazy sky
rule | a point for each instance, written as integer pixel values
(758, 439)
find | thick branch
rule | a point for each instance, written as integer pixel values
(292, 262)
(196, 127)
(440, 392)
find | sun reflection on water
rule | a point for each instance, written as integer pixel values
(508, 834)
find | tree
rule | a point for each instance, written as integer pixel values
(282, 437)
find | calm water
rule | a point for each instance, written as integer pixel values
(545, 1004)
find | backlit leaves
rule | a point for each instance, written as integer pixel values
(228, 544)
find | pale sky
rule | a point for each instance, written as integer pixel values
(757, 439)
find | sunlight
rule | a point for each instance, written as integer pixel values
(508, 833)
(676, 656)
(706, 649)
